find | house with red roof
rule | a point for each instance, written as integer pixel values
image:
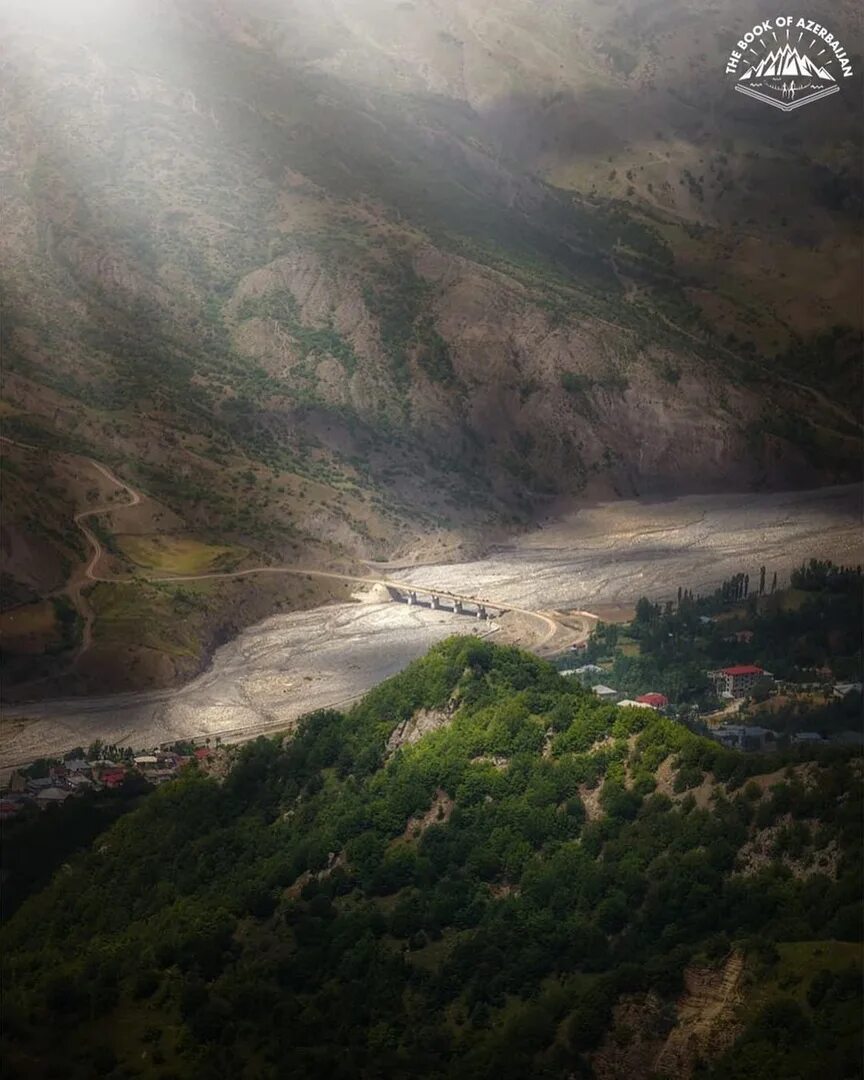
(656, 701)
(113, 778)
(739, 680)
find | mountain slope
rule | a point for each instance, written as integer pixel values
(344, 284)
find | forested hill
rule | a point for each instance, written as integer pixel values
(477, 871)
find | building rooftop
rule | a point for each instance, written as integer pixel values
(656, 701)
(53, 794)
(743, 669)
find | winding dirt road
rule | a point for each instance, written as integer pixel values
(76, 583)
(290, 664)
(554, 629)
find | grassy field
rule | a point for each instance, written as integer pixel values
(799, 962)
(178, 554)
(629, 647)
(30, 629)
(165, 618)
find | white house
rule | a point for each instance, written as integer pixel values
(605, 693)
(50, 795)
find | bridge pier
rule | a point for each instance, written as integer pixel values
(436, 604)
(412, 598)
(481, 611)
(457, 607)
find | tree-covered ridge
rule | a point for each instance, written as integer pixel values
(470, 904)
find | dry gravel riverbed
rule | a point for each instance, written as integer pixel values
(609, 554)
(265, 678)
(616, 552)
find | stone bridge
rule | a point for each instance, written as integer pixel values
(438, 601)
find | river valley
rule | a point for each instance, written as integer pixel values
(600, 558)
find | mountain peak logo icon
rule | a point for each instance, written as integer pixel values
(788, 62)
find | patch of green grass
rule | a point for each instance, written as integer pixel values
(792, 599)
(159, 617)
(800, 961)
(178, 554)
(433, 955)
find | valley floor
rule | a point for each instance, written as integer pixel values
(613, 553)
(610, 554)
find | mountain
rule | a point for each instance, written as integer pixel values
(479, 870)
(329, 282)
(787, 61)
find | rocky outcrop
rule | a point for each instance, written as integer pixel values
(415, 727)
(438, 814)
(650, 1037)
(706, 1018)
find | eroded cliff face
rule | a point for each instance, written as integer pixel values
(650, 1037)
(542, 403)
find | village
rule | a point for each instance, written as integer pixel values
(812, 697)
(735, 686)
(755, 670)
(48, 782)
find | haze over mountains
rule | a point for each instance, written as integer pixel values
(334, 281)
(524, 313)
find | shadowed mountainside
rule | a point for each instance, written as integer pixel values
(387, 279)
